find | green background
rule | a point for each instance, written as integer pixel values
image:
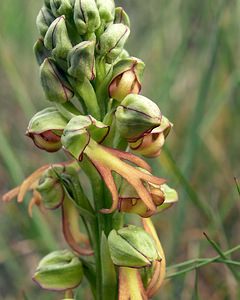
(191, 50)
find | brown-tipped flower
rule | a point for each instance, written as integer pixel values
(45, 129)
(126, 79)
(136, 116)
(163, 197)
(150, 145)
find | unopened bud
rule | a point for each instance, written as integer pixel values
(121, 17)
(112, 41)
(57, 39)
(136, 116)
(50, 188)
(150, 145)
(86, 16)
(55, 84)
(59, 271)
(44, 20)
(132, 247)
(40, 51)
(106, 10)
(81, 61)
(45, 129)
(61, 7)
(127, 75)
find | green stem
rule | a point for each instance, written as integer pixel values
(68, 110)
(202, 263)
(85, 90)
(97, 228)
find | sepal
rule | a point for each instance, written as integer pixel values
(78, 133)
(86, 16)
(132, 247)
(81, 61)
(59, 271)
(61, 7)
(40, 51)
(57, 39)
(126, 78)
(112, 41)
(136, 116)
(45, 129)
(44, 20)
(121, 17)
(54, 82)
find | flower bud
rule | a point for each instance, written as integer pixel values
(132, 247)
(50, 188)
(150, 145)
(121, 17)
(78, 133)
(81, 61)
(59, 271)
(45, 129)
(57, 39)
(40, 51)
(106, 10)
(61, 7)
(112, 41)
(126, 79)
(136, 116)
(44, 20)
(86, 16)
(55, 84)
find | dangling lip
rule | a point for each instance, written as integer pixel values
(108, 160)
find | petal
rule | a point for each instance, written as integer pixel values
(130, 157)
(29, 182)
(159, 267)
(69, 237)
(11, 194)
(109, 181)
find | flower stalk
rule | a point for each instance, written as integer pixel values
(99, 119)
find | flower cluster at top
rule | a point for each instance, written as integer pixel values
(97, 117)
(94, 85)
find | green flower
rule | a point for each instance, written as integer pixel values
(45, 129)
(132, 247)
(136, 116)
(59, 271)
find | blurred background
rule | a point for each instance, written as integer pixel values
(191, 50)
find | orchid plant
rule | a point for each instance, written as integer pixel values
(100, 121)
